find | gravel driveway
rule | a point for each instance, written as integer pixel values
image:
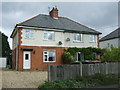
(23, 79)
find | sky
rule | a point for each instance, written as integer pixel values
(101, 16)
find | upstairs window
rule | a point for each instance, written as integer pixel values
(92, 38)
(49, 56)
(29, 33)
(77, 37)
(49, 35)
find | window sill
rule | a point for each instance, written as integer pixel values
(49, 61)
(92, 42)
(29, 38)
(78, 42)
(48, 40)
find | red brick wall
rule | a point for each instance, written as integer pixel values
(37, 57)
(13, 59)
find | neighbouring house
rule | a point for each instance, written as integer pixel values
(112, 39)
(41, 40)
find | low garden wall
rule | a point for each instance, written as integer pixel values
(3, 62)
(69, 71)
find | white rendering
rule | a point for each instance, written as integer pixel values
(38, 38)
(109, 43)
(112, 39)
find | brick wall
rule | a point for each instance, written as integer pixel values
(37, 57)
(13, 58)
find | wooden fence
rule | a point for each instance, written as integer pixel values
(63, 72)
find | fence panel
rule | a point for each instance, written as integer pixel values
(63, 72)
(112, 67)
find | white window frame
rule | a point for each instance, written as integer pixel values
(93, 38)
(29, 34)
(49, 32)
(75, 35)
(48, 55)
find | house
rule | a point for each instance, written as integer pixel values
(41, 40)
(112, 39)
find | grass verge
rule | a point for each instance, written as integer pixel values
(84, 82)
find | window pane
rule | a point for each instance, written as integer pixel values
(29, 33)
(49, 35)
(26, 57)
(45, 36)
(51, 56)
(78, 37)
(45, 52)
(53, 35)
(74, 36)
(92, 38)
(45, 57)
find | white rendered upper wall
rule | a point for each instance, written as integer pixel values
(38, 40)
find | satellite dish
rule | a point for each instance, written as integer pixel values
(60, 43)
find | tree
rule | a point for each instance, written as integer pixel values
(5, 50)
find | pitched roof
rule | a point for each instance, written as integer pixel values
(112, 35)
(61, 23)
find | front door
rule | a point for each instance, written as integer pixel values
(26, 60)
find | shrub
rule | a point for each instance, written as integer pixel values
(83, 82)
(67, 57)
(112, 54)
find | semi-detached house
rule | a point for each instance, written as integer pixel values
(41, 40)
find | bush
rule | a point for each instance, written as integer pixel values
(83, 82)
(112, 54)
(67, 57)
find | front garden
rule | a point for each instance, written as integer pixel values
(84, 82)
(72, 55)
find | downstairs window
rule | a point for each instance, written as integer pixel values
(49, 56)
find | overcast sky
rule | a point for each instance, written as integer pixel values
(101, 16)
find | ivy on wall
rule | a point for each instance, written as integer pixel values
(89, 53)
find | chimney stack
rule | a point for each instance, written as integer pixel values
(54, 13)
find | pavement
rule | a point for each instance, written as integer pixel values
(23, 79)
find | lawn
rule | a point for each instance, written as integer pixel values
(84, 82)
